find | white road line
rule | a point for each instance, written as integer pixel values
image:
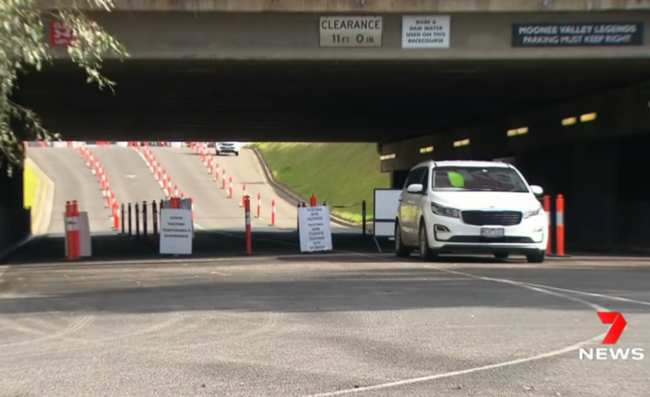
(523, 360)
(592, 294)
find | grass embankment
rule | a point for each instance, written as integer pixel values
(343, 174)
(30, 186)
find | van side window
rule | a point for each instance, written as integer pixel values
(425, 178)
(413, 176)
(416, 176)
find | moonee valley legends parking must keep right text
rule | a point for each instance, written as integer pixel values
(577, 34)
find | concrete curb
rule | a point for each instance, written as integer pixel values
(290, 195)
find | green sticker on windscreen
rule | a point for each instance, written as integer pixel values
(456, 179)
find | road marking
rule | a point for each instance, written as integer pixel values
(592, 294)
(523, 360)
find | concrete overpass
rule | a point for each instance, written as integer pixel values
(286, 71)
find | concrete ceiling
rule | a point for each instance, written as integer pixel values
(309, 101)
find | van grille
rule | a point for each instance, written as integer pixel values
(501, 218)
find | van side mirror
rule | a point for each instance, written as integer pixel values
(415, 188)
(537, 190)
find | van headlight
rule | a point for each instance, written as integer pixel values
(445, 211)
(529, 214)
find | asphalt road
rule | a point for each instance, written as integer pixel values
(219, 219)
(320, 326)
(214, 209)
(73, 180)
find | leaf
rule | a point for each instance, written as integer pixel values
(23, 47)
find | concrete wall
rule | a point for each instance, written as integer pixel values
(476, 36)
(15, 221)
(377, 5)
(620, 113)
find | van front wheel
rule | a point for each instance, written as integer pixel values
(537, 257)
(426, 253)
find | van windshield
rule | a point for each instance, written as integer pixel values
(477, 179)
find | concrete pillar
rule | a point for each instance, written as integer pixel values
(633, 188)
(591, 217)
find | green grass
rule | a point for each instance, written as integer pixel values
(30, 187)
(343, 174)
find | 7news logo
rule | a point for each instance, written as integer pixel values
(609, 353)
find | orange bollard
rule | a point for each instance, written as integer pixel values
(547, 209)
(559, 224)
(75, 230)
(223, 180)
(116, 215)
(313, 202)
(243, 197)
(259, 205)
(230, 190)
(273, 212)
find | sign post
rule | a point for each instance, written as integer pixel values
(315, 232)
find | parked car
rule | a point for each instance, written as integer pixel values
(226, 147)
(470, 206)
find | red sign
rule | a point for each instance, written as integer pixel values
(618, 325)
(60, 35)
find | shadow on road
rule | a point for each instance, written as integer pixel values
(222, 243)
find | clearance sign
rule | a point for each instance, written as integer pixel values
(351, 31)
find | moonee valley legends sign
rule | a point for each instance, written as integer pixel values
(577, 34)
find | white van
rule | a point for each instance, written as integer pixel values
(470, 207)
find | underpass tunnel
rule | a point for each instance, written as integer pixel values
(382, 102)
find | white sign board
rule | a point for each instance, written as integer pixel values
(426, 31)
(351, 31)
(176, 231)
(315, 231)
(385, 211)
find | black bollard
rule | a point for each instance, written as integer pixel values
(363, 218)
(137, 221)
(130, 221)
(122, 219)
(154, 217)
(144, 221)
